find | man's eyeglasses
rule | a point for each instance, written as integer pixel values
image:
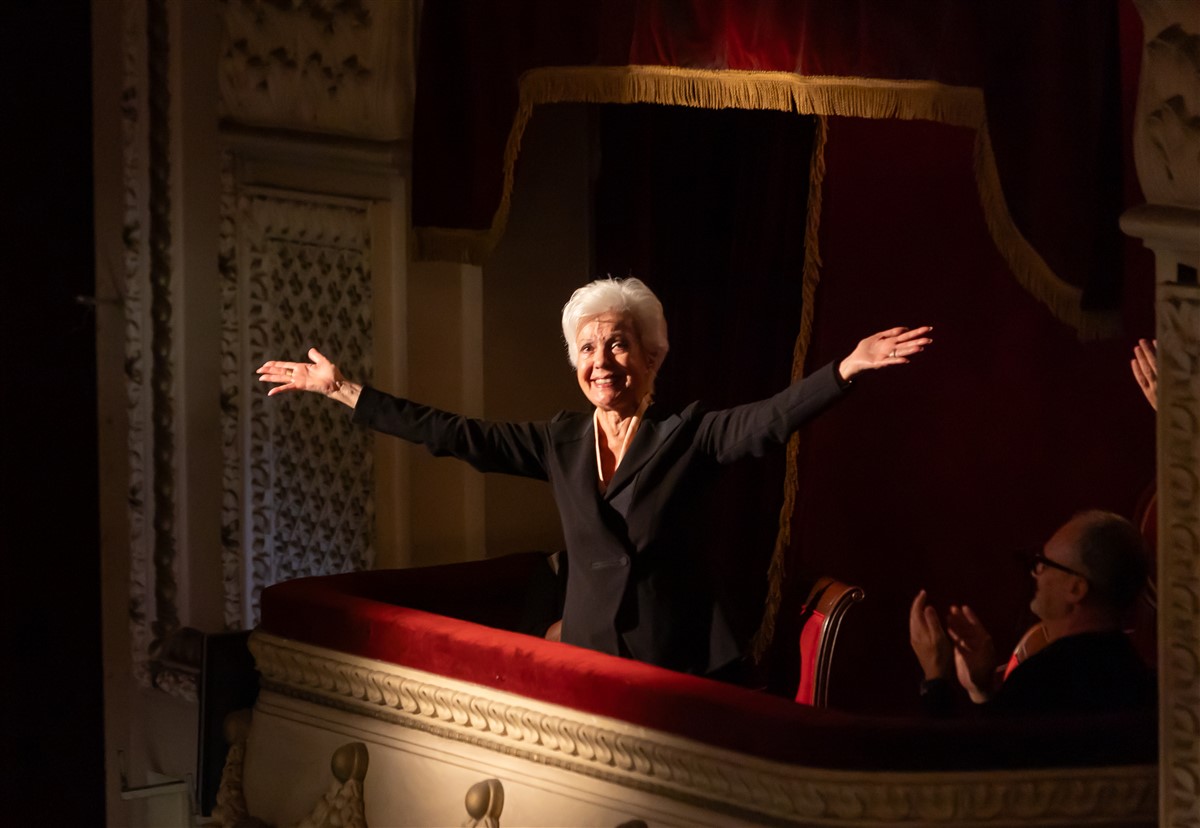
(1038, 562)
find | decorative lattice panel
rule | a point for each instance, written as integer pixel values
(298, 475)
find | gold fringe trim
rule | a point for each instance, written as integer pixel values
(1030, 269)
(785, 92)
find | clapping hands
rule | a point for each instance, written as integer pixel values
(962, 641)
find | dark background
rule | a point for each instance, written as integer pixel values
(53, 708)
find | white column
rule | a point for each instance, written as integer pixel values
(1167, 152)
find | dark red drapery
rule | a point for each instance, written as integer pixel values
(1016, 422)
(1047, 73)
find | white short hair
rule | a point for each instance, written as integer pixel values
(610, 295)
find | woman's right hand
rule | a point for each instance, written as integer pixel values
(319, 376)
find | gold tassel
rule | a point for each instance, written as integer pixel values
(776, 572)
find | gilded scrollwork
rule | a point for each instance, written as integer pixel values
(298, 475)
(712, 778)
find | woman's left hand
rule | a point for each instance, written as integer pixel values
(891, 347)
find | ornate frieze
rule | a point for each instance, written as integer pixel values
(332, 66)
(685, 770)
(298, 477)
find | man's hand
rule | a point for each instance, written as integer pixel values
(929, 642)
(974, 653)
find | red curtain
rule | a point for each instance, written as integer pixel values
(936, 475)
(940, 474)
(711, 208)
(1048, 71)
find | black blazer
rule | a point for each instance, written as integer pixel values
(634, 586)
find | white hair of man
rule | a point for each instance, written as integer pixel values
(630, 296)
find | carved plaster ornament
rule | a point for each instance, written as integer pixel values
(662, 765)
(1167, 123)
(485, 801)
(341, 806)
(298, 477)
(319, 66)
(230, 810)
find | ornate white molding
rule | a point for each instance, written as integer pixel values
(296, 273)
(149, 332)
(690, 771)
(1167, 122)
(134, 126)
(231, 394)
(485, 804)
(341, 806)
(1179, 550)
(1167, 152)
(344, 67)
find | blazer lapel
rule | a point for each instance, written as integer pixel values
(575, 444)
(650, 437)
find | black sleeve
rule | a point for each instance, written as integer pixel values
(752, 429)
(510, 448)
(936, 697)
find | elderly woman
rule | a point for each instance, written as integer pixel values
(624, 474)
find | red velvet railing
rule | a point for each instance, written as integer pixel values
(362, 614)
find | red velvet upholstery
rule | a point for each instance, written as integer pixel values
(361, 613)
(823, 611)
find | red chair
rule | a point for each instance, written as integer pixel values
(822, 615)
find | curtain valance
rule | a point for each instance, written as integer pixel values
(1038, 82)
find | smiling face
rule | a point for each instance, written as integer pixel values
(614, 371)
